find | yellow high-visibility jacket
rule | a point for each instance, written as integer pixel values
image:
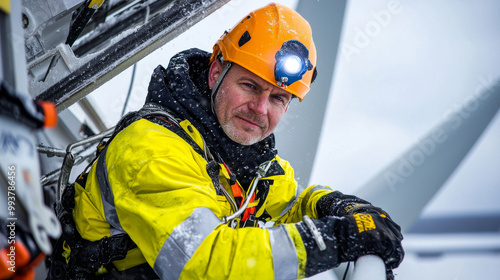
(161, 195)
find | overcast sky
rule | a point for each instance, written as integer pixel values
(397, 77)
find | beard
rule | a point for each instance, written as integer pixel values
(244, 135)
(241, 136)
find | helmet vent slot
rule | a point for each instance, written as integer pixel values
(244, 39)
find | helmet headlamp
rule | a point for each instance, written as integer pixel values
(292, 62)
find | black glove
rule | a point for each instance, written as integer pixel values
(339, 204)
(370, 234)
(349, 237)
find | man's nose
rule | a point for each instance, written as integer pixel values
(259, 104)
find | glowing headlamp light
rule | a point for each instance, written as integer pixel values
(292, 62)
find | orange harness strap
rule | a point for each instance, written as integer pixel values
(238, 195)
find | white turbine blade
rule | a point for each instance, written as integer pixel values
(369, 267)
(407, 185)
(436, 244)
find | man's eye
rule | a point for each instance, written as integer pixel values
(279, 98)
(250, 86)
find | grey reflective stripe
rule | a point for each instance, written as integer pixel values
(290, 204)
(319, 187)
(285, 260)
(303, 205)
(183, 242)
(108, 200)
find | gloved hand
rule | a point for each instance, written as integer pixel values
(370, 234)
(349, 237)
(339, 204)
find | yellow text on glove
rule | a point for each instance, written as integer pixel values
(364, 222)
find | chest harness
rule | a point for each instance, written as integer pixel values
(77, 258)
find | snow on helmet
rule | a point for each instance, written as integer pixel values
(275, 43)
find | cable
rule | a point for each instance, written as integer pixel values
(133, 71)
(129, 89)
(346, 270)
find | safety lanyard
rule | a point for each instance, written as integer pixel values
(238, 194)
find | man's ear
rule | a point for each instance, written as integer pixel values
(214, 73)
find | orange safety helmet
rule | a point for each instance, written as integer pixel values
(275, 43)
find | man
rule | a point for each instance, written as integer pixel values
(185, 185)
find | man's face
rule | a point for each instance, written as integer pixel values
(247, 107)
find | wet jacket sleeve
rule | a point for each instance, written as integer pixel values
(306, 204)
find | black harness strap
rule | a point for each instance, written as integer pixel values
(86, 257)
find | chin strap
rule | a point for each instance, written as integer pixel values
(218, 83)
